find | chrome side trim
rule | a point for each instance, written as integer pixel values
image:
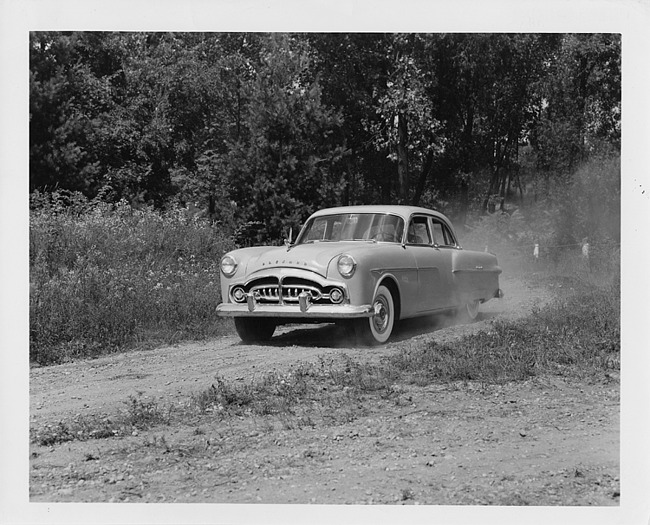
(478, 269)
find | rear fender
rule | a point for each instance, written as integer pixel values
(475, 276)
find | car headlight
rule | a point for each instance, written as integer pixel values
(346, 266)
(228, 265)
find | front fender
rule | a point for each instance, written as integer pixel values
(375, 264)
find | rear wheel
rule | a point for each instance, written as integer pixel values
(254, 330)
(377, 329)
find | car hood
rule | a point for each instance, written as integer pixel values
(314, 257)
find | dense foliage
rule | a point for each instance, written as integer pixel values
(261, 129)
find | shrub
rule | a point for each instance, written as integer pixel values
(108, 276)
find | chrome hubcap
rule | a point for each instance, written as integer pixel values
(380, 319)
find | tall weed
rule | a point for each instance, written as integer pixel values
(107, 276)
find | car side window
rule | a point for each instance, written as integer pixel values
(418, 231)
(442, 235)
(450, 240)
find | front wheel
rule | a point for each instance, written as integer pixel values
(377, 329)
(254, 330)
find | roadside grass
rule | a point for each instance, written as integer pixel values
(576, 335)
(139, 414)
(109, 277)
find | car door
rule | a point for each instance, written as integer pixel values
(445, 245)
(433, 265)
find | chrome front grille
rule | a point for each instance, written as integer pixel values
(289, 293)
(267, 294)
(289, 290)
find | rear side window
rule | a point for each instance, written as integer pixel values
(442, 234)
(418, 231)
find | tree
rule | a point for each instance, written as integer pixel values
(581, 101)
(279, 168)
(350, 67)
(75, 83)
(483, 99)
(253, 127)
(405, 129)
(188, 96)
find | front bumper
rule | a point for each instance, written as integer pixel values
(296, 311)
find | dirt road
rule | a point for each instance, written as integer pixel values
(103, 384)
(541, 442)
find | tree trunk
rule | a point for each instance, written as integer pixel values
(422, 180)
(497, 183)
(502, 191)
(212, 207)
(402, 158)
(521, 191)
(464, 202)
(494, 183)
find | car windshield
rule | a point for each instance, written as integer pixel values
(376, 227)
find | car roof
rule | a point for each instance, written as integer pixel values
(402, 211)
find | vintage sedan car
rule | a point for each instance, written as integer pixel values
(366, 266)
